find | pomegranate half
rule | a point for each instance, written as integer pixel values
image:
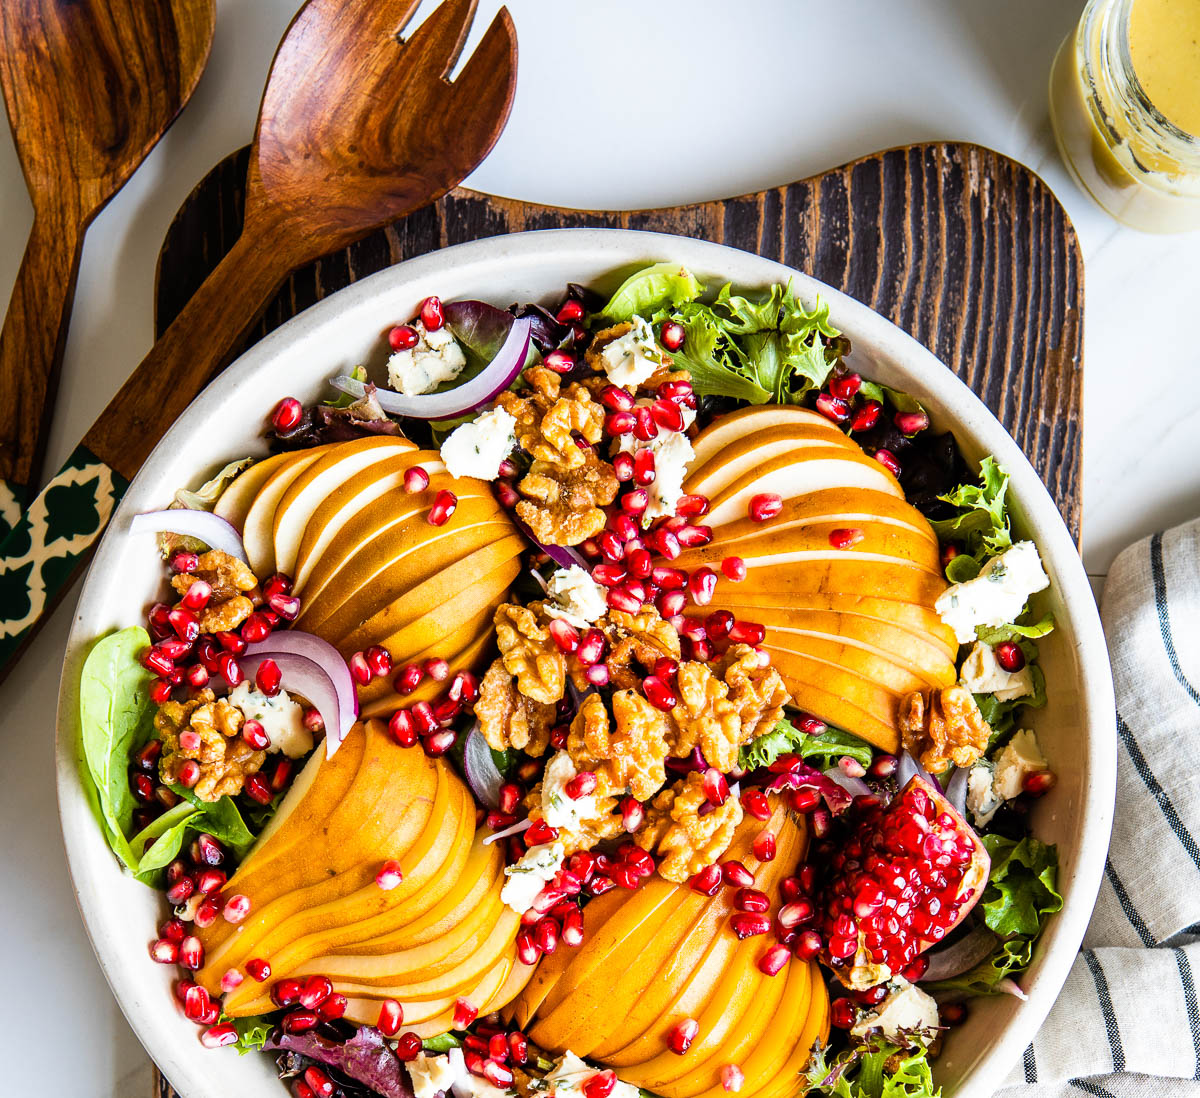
(906, 875)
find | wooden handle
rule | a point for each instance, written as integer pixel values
(199, 343)
(49, 546)
(31, 346)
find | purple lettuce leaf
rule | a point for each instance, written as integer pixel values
(806, 777)
(365, 1057)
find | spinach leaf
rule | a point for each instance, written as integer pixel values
(443, 1042)
(115, 719)
(649, 290)
(161, 840)
(1015, 631)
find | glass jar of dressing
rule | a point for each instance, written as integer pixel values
(1125, 106)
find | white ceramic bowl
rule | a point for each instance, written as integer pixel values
(1076, 728)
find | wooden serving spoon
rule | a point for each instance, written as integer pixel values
(90, 87)
(358, 127)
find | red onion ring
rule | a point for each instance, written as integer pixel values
(308, 679)
(480, 769)
(204, 526)
(494, 378)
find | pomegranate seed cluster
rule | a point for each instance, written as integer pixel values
(898, 882)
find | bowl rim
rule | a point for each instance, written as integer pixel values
(941, 387)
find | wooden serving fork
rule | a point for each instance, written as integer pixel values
(357, 128)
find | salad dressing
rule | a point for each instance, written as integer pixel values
(1164, 46)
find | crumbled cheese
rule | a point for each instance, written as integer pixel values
(632, 358)
(571, 1073)
(1020, 758)
(448, 1072)
(282, 718)
(435, 358)
(527, 877)
(982, 800)
(981, 674)
(575, 597)
(558, 808)
(433, 1074)
(672, 453)
(476, 449)
(906, 1009)
(997, 595)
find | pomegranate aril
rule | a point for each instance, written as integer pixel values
(763, 847)
(842, 1013)
(318, 1082)
(497, 1074)
(952, 1014)
(540, 833)
(236, 908)
(164, 951)
(389, 876)
(635, 502)
(402, 728)
(416, 480)
(747, 924)
(644, 427)
(444, 505)
(465, 1013)
(403, 337)
(527, 951)
(180, 890)
(258, 969)
(909, 423)
(845, 537)
(616, 399)
(846, 386)
(432, 315)
(807, 945)
(755, 802)
(1039, 782)
(561, 362)
(286, 416)
(564, 634)
(219, 1036)
(609, 575)
(671, 335)
(751, 899)
(545, 934)
(716, 788)
(734, 873)
(702, 585)
(391, 1017)
(682, 1034)
(591, 647)
(619, 423)
(583, 784)
(667, 415)
(671, 604)
(1009, 656)
(439, 743)
(747, 632)
(888, 460)
(191, 952)
(794, 913)
(257, 789)
(633, 813)
(772, 962)
(734, 568)
(659, 693)
(866, 416)
(572, 928)
(832, 407)
(210, 880)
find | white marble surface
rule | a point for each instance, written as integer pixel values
(623, 104)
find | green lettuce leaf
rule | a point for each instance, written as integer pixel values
(1021, 888)
(252, 1032)
(982, 524)
(821, 751)
(115, 719)
(901, 402)
(649, 290)
(1000, 633)
(1009, 959)
(443, 1042)
(863, 1072)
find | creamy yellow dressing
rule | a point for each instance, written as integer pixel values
(1164, 46)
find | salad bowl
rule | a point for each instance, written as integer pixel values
(1076, 727)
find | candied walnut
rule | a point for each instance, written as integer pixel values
(507, 718)
(564, 506)
(662, 376)
(627, 749)
(757, 692)
(225, 759)
(725, 705)
(644, 637)
(686, 840)
(548, 418)
(528, 652)
(230, 580)
(947, 727)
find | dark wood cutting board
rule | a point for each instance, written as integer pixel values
(965, 249)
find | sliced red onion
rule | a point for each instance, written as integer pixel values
(1009, 986)
(294, 643)
(309, 680)
(805, 776)
(516, 829)
(908, 768)
(952, 960)
(856, 787)
(494, 378)
(956, 789)
(204, 526)
(482, 775)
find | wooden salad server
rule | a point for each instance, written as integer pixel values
(357, 128)
(90, 87)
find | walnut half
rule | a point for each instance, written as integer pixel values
(944, 728)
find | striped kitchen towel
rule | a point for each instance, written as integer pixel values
(1128, 1020)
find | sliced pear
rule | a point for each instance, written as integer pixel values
(709, 478)
(310, 489)
(353, 498)
(257, 527)
(234, 503)
(727, 430)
